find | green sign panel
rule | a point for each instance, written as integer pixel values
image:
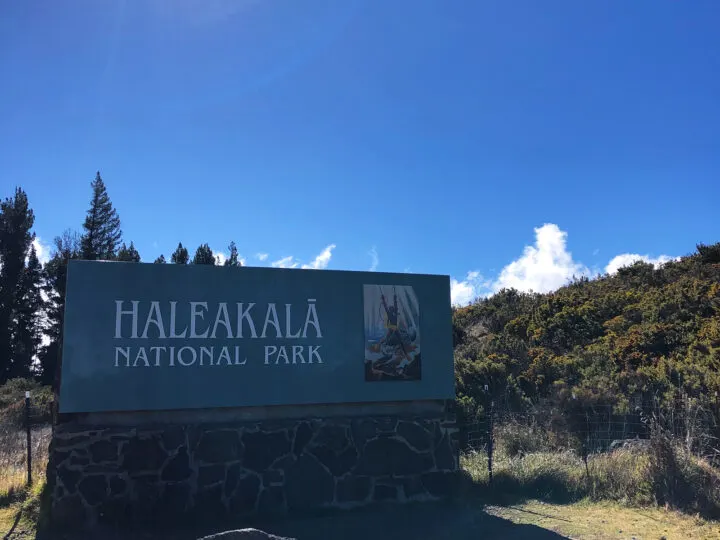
(165, 336)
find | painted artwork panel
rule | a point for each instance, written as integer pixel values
(392, 333)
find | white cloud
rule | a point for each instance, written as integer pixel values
(375, 259)
(543, 267)
(261, 256)
(465, 291)
(322, 260)
(41, 250)
(318, 263)
(285, 262)
(626, 259)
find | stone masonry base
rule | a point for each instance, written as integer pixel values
(200, 471)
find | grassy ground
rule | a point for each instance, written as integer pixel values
(563, 477)
(531, 520)
(26, 505)
(13, 460)
(603, 520)
(662, 474)
(613, 495)
(15, 497)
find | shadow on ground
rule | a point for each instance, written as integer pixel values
(459, 520)
(509, 490)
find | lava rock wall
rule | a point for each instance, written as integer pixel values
(198, 471)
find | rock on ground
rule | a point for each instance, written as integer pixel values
(244, 534)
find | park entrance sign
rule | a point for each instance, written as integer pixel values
(162, 337)
(201, 392)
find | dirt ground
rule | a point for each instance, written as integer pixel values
(462, 520)
(426, 521)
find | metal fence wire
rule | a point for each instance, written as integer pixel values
(592, 429)
(25, 432)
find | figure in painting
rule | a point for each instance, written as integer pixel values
(392, 345)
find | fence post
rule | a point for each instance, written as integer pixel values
(586, 449)
(29, 445)
(490, 443)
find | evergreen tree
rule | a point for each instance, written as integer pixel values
(234, 259)
(29, 318)
(160, 260)
(66, 247)
(204, 255)
(128, 254)
(102, 225)
(180, 255)
(16, 220)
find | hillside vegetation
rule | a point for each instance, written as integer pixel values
(642, 335)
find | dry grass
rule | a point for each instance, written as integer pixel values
(15, 496)
(29, 510)
(660, 475)
(618, 499)
(13, 460)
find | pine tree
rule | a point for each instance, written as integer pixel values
(204, 255)
(16, 220)
(29, 318)
(180, 255)
(234, 259)
(102, 225)
(160, 260)
(128, 254)
(66, 247)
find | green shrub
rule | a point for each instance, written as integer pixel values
(14, 390)
(12, 402)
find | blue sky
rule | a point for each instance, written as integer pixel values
(502, 143)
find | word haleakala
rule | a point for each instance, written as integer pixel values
(154, 320)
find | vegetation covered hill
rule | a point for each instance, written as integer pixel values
(643, 334)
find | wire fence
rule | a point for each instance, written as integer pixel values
(588, 430)
(25, 431)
